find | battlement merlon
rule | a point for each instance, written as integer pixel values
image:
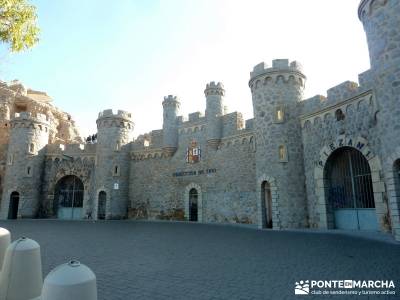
(364, 8)
(278, 66)
(213, 88)
(71, 149)
(31, 117)
(121, 114)
(171, 100)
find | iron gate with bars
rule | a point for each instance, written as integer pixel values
(350, 192)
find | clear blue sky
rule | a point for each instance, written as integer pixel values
(126, 54)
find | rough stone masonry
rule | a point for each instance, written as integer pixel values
(322, 162)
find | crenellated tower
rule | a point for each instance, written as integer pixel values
(381, 21)
(171, 107)
(29, 134)
(276, 93)
(114, 133)
(214, 93)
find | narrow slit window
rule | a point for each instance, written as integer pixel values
(282, 153)
(279, 114)
(116, 170)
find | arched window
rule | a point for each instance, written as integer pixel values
(339, 115)
(32, 148)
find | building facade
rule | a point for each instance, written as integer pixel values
(323, 162)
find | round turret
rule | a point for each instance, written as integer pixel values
(171, 107)
(29, 134)
(114, 130)
(215, 108)
(381, 20)
(114, 133)
(276, 93)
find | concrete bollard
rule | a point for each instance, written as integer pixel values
(5, 240)
(21, 278)
(68, 281)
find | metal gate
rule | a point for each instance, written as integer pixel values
(69, 197)
(350, 193)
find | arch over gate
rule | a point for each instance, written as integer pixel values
(68, 198)
(324, 211)
(13, 206)
(349, 193)
(193, 193)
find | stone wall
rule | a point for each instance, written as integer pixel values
(224, 177)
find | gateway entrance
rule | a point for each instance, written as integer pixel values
(193, 210)
(13, 208)
(68, 198)
(350, 194)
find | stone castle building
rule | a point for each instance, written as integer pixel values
(323, 162)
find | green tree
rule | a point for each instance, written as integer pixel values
(18, 26)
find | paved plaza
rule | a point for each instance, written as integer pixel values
(163, 260)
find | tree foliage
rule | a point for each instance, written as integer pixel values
(18, 26)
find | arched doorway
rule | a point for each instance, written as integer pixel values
(266, 198)
(193, 205)
(13, 207)
(101, 208)
(68, 198)
(349, 190)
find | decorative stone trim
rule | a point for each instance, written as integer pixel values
(326, 220)
(276, 222)
(199, 201)
(393, 191)
(148, 154)
(192, 129)
(329, 112)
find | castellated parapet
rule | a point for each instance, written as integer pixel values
(281, 71)
(213, 88)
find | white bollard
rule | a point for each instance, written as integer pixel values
(5, 240)
(68, 281)
(21, 278)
